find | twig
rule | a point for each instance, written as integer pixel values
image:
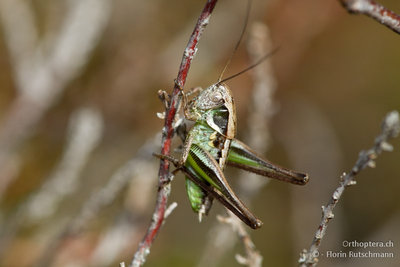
(104, 196)
(118, 237)
(44, 67)
(265, 85)
(253, 258)
(374, 10)
(390, 129)
(167, 134)
(85, 131)
(114, 240)
(170, 209)
(132, 171)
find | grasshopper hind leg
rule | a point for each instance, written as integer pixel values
(203, 171)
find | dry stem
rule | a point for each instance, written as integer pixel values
(164, 186)
(390, 129)
(374, 10)
(43, 67)
(253, 258)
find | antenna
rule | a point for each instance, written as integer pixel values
(251, 66)
(240, 39)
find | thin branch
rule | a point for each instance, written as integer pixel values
(164, 187)
(374, 10)
(134, 175)
(390, 129)
(253, 258)
(108, 193)
(114, 240)
(43, 68)
(85, 131)
(134, 171)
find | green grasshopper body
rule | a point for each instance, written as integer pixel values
(210, 145)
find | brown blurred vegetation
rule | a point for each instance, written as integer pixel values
(337, 77)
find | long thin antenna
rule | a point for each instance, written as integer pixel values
(251, 66)
(240, 39)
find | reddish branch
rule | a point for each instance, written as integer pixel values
(168, 133)
(375, 11)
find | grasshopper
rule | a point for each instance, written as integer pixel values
(210, 145)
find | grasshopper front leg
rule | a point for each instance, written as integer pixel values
(188, 111)
(186, 148)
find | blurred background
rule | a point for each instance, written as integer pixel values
(78, 124)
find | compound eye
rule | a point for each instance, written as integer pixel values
(217, 97)
(192, 102)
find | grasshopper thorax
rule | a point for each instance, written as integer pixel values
(215, 106)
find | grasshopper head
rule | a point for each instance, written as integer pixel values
(215, 106)
(215, 96)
